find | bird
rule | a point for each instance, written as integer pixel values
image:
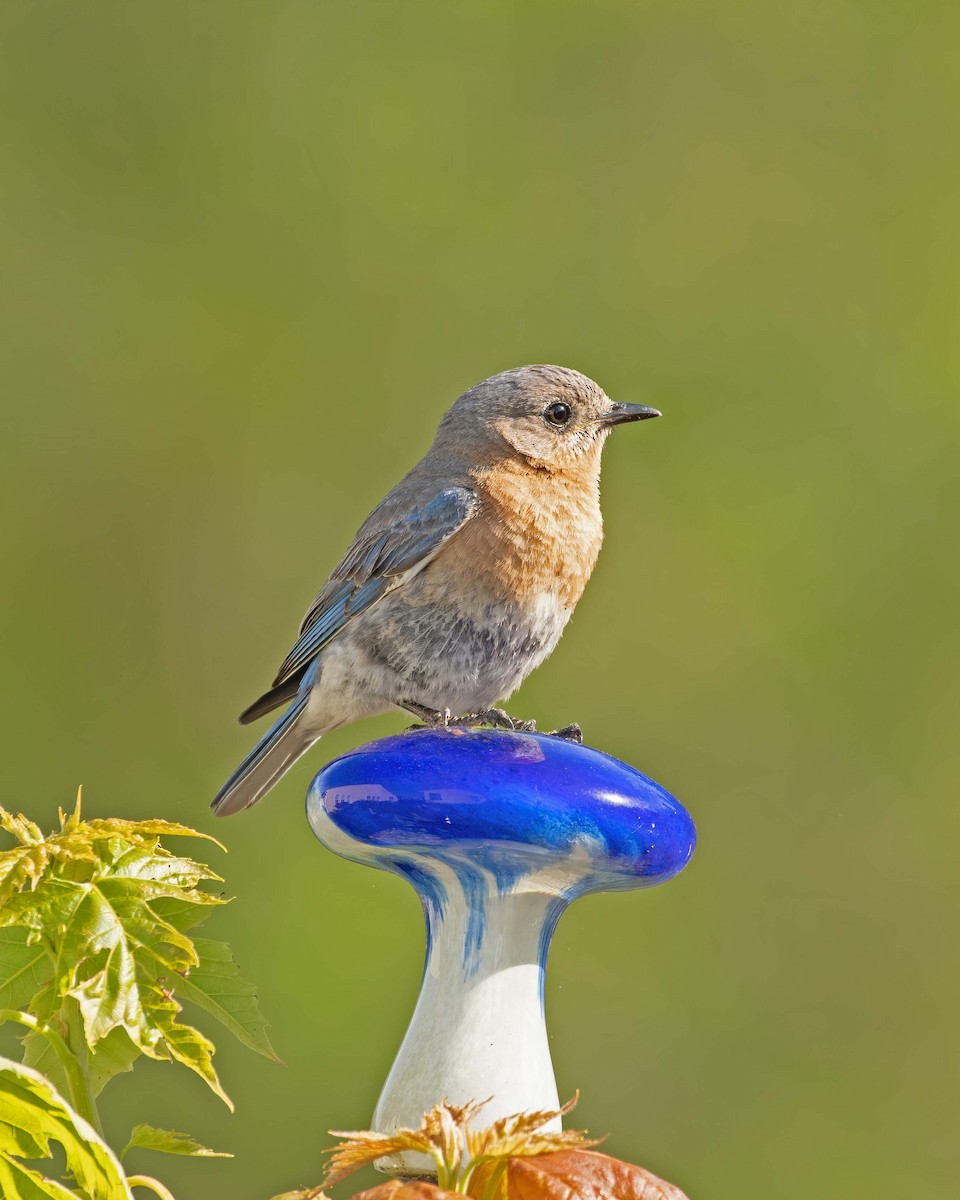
(460, 582)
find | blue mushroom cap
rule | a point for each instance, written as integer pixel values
(513, 802)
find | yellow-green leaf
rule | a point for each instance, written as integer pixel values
(141, 830)
(169, 1141)
(114, 954)
(24, 969)
(20, 867)
(215, 986)
(22, 828)
(20, 1182)
(98, 916)
(115, 1054)
(32, 1115)
(188, 1046)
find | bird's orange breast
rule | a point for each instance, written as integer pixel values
(535, 533)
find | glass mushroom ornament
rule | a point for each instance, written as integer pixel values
(498, 832)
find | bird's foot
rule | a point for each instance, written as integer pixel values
(569, 733)
(498, 719)
(431, 718)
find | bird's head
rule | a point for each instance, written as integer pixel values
(551, 417)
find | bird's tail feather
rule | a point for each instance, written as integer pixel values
(278, 749)
(272, 699)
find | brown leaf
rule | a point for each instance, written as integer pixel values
(447, 1136)
(442, 1136)
(518, 1134)
(406, 1189)
(576, 1175)
(363, 1147)
(303, 1194)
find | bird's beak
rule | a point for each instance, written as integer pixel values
(620, 413)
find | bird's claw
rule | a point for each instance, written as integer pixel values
(430, 718)
(495, 717)
(502, 720)
(498, 719)
(569, 733)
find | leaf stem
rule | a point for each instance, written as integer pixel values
(80, 1095)
(496, 1176)
(77, 1044)
(154, 1185)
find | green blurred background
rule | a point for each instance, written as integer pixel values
(250, 252)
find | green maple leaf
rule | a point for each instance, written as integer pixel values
(114, 1055)
(24, 968)
(97, 914)
(32, 1115)
(169, 1141)
(215, 986)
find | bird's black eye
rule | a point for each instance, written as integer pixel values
(558, 414)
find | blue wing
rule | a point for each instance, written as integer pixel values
(376, 563)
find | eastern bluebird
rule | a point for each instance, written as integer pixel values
(460, 582)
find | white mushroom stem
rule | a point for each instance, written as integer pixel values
(478, 1029)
